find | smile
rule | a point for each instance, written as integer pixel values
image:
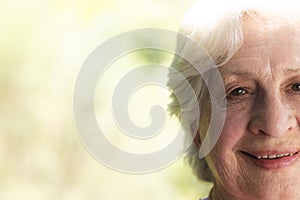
(272, 160)
(275, 156)
(271, 156)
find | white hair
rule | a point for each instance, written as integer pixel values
(218, 28)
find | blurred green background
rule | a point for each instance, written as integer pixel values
(42, 47)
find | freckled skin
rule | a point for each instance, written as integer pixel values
(262, 83)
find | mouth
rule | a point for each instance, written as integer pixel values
(272, 160)
(270, 156)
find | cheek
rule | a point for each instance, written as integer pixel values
(295, 106)
(235, 128)
(223, 158)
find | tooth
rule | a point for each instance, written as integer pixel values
(272, 156)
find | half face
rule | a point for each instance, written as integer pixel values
(258, 153)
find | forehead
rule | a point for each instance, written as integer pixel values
(268, 32)
(267, 44)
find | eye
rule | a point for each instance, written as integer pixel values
(296, 87)
(241, 91)
(240, 95)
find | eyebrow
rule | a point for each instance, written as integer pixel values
(247, 74)
(228, 73)
(292, 70)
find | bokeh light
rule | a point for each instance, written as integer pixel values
(42, 47)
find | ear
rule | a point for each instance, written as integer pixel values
(197, 140)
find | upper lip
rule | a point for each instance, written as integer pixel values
(270, 154)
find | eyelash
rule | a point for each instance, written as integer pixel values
(240, 92)
(295, 87)
(237, 94)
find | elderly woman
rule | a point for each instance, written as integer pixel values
(256, 48)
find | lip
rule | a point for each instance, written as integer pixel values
(272, 164)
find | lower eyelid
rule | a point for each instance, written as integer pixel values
(242, 97)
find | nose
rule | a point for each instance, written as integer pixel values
(272, 117)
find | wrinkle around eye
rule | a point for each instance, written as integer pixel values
(239, 97)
